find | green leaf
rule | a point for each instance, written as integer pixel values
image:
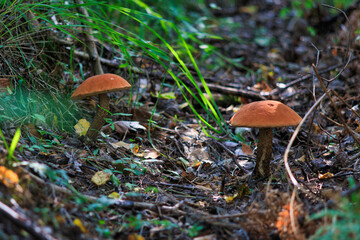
(14, 142)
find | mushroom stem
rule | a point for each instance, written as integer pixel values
(264, 153)
(99, 119)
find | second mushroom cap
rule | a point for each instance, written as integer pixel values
(265, 114)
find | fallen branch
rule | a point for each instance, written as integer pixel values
(234, 91)
(125, 204)
(21, 221)
(90, 41)
(277, 91)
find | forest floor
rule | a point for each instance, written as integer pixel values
(170, 180)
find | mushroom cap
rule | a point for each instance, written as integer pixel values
(99, 84)
(265, 114)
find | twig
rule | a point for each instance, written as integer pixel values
(233, 157)
(90, 40)
(23, 222)
(204, 216)
(306, 77)
(348, 45)
(337, 111)
(333, 121)
(292, 139)
(214, 87)
(293, 220)
(342, 100)
(120, 203)
(244, 214)
(234, 91)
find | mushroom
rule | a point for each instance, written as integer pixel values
(99, 85)
(264, 115)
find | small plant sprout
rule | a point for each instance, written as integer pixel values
(99, 85)
(11, 149)
(264, 115)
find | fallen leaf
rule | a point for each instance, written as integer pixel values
(135, 236)
(8, 177)
(4, 84)
(251, 9)
(60, 219)
(326, 175)
(242, 191)
(122, 127)
(150, 153)
(77, 222)
(81, 127)
(114, 195)
(206, 237)
(32, 130)
(247, 149)
(101, 177)
(135, 150)
(229, 199)
(121, 144)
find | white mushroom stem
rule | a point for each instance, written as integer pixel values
(99, 119)
(264, 153)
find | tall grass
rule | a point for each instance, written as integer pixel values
(134, 29)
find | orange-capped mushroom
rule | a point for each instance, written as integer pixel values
(99, 85)
(264, 115)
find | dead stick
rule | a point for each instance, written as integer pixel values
(306, 77)
(23, 222)
(90, 40)
(234, 91)
(337, 111)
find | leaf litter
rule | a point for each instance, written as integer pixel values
(177, 178)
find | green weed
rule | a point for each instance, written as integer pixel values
(11, 149)
(344, 221)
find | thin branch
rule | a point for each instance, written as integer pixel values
(292, 139)
(23, 222)
(90, 40)
(337, 111)
(306, 77)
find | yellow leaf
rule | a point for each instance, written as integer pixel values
(77, 222)
(100, 178)
(229, 199)
(251, 9)
(114, 195)
(135, 236)
(81, 127)
(135, 149)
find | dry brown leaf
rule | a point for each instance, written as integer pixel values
(284, 224)
(150, 153)
(246, 149)
(121, 144)
(4, 84)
